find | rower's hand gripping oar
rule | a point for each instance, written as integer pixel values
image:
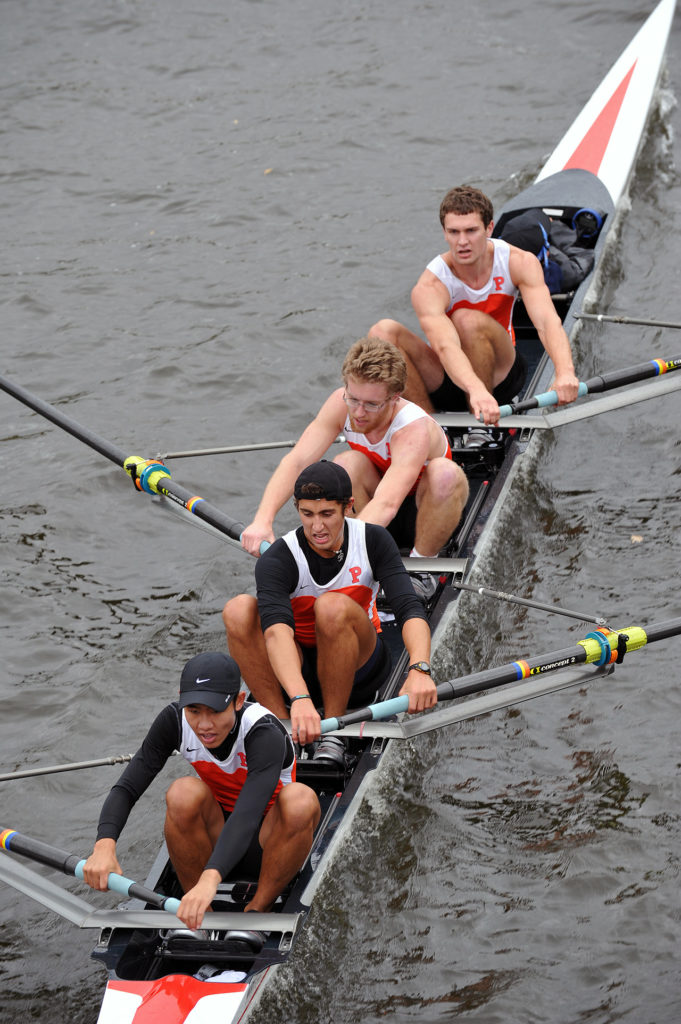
(70, 864)
(602, 647)
(147, 475)
(603, 382)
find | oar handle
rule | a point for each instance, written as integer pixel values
(384, 709)
(603, 382)
(547, 398)
(127, 887)
(264, 545)
(603, 646)
(69, 864)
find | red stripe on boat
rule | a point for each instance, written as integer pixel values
(171, 999)
(591, 150)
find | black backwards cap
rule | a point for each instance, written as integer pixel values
(212, 678)
(329, 478)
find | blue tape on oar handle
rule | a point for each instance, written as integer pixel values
(384, 709)
(122, 885)
(546, 399)
(264, 545)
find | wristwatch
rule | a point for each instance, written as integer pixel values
(420, 666)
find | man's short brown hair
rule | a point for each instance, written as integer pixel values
(377, 361)
(467, 199)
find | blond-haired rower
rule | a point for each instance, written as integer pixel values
(399, 460)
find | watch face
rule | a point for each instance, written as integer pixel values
(422, 666)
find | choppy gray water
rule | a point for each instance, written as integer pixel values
(201, 211)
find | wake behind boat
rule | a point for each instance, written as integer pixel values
(157, 973)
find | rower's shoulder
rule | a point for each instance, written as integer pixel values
(431, 287)
(524, 267)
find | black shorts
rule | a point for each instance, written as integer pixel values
(367, 682)
(402, 527)
(450, 398)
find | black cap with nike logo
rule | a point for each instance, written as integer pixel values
(211, 678)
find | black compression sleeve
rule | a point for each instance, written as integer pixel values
(276, 575)
(163, 737)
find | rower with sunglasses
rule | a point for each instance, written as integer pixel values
(399, 461)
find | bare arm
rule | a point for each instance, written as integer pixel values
(285, 661)
(430, 299)
(418, 686)
(527, 275)
(317, 437)
(197, 901)
(410, 448)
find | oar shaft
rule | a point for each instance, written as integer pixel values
(602, 382)
(150, 476)
(201, 508)
(105, 448)
(631, 374)
(598, 648)
(70, 864)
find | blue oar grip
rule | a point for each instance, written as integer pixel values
(122, 885)
(385, 709)
(264, 545)
(546, 399)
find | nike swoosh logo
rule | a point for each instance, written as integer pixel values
(198, 681)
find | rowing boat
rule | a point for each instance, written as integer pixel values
(151, 974)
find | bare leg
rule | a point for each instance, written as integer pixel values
(193, 823)
(440, 499)
(424, 370)
(286, 837)
(363, 474)
(247, 646)
(488, 346)
(345, 641)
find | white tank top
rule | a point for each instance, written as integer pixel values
(354, 578)
(379, 453)
(496, 297)
(225, 779)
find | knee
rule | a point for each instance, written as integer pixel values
(183, 798)
(331, 612)
(240, 615)
(354, 463)
(468, 322)
(387, 330)
(345, 459)
(299, 807)
(446, 480)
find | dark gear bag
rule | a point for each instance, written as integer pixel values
(565, 264)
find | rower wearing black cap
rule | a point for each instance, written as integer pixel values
(242, 810)
(311, 638)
